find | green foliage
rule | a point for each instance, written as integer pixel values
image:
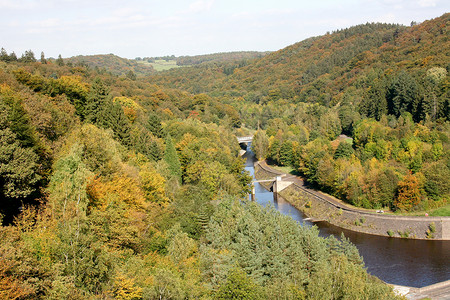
(344, 150)
(260, 144)
(154, 125)
(238, 286)
(171, 158)
(68, 184)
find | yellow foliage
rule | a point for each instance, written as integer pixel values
(73, 84)
(187, 139)
(120, 188)
(168, 112)
(153, 184)
(125, 288)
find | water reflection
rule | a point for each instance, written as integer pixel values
(415, 263)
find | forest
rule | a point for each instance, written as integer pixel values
(116, 186)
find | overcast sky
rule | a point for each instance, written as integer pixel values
(133, 28)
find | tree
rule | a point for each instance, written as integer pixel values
(28, 57)
(130, 75)
(43, 60)
(12, 56)
(403, 95)
(238, 286)
(4, 55)
(408, 193)
(112, 116)
(260, 144)
(96, 102)
(154, 125)
(59, 61)
(344, 150)
(171, 158)
(286, 153)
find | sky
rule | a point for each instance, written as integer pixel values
(149, 28)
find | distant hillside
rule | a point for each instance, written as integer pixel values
(111, 63)
(345, 64)
(219, 57)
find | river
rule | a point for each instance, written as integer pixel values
(407, 262)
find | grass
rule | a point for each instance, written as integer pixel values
(441, 212)
(162, 65)
(284, 169)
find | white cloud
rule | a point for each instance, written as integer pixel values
(426, 3)
(200, 6)
(387, 18)
(17, 4)
(49, 23)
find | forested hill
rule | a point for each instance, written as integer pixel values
(111, 63)
(328, 68)
(386, 86)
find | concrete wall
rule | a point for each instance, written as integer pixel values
(319, 209)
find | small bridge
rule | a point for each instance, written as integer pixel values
(245, 139)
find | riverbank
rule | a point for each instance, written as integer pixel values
(320, 207)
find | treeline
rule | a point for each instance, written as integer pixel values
(219, 57)
(115, 188)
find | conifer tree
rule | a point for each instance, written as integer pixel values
(60, 61)
(43, 60)
(4, 55)
(154, 125)
(171, 157)
(96, 102)
(112, 116)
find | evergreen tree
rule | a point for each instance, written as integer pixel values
(43, 60)
(28, 56)
(343, 150)
(112, 116)
(96, 102)
(60, 61)
(403, 95)
(171, 157)
(4, 55)
(12, 56)
(154, 125)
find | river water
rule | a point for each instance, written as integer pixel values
(414, 263)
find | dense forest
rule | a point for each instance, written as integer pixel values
(124, 186)
(115, 188)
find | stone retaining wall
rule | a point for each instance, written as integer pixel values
(319, 209)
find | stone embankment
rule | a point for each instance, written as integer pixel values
(321, 207)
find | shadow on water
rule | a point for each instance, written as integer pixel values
(415, 263)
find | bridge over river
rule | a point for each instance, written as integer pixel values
(245, 139)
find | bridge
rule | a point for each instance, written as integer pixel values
(279, 183)
(245, 139)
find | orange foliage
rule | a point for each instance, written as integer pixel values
(120, 188)
(409, 194)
